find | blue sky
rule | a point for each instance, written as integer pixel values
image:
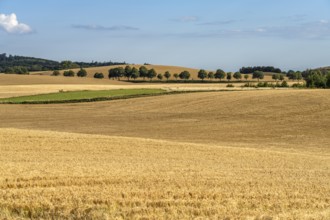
(210, 34)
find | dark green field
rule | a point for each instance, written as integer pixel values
(81, 96)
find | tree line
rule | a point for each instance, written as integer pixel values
(314, 78)
(143, 72)
(23, 65)
(267, 69)
(133, 73)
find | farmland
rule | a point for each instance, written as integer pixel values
(82, 96)
(256, 154)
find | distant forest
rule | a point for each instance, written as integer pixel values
(24, 65)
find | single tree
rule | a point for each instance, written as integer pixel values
(69, 73)
(160, 76)
(281, 77)
(56, 73)
(82, 73)
(128, 72)
(220, 74)
(152, 74)
(184, 75)
(284, 84)
(238, 76)
(246, 76)
(202, 74)
(176, 76)
(143, 72)
(98, 76)
(210, 75)
(135, 73)
(258, 75)
(167, 75)
(229, 76)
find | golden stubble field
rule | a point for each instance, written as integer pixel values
(69, 176)
(216, 155)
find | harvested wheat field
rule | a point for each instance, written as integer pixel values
(63, 175)
(214, 155)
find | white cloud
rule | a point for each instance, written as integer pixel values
(10, 24)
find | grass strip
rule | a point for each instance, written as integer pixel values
(99, 99)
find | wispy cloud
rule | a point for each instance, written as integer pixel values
(316, 30)
(104, 28)
(308, 30)
(10, 24)
(218, 23)
(295, 18)
(186, 19)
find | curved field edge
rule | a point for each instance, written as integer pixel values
(82, 96)
(142, 93)
(65, 175)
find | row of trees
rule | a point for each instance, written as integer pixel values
(16, 70)
(220, 74)
(70, 73)
(267, 69)
(294, 75)
(313, 78)
(134, 73)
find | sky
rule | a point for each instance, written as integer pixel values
(209, 34)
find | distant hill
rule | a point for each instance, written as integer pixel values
(9, 64)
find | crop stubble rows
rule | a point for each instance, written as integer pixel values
(260, 154)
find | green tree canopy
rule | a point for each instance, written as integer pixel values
(160, 76)
(229, 76)
(152, 74)
(98, 76)
(202, 74)
(69, 73)
(143, 72)
(82, 73)
(220, 74)
(167, 75)
(184, 75)
(258, 75)
(210, 75)
(237, 75)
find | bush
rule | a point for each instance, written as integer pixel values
(230, 85)
(82, 73)
(98, 76)
(56, 73)
(264, 84)
(250, 85)
(68, 73)
(298, 85)
(284, 84)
